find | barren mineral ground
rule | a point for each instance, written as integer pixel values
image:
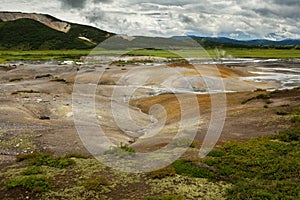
(37, 112)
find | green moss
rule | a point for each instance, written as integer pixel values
(34, 184)
(32, 171)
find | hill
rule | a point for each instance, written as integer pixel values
(44, 32)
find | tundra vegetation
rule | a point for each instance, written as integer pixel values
(261, 168)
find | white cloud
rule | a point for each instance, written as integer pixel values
(232, 18)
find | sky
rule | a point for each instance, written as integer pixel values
(237, 19)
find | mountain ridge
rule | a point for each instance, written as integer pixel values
(34, 31)
(263, 42)
(45, 19)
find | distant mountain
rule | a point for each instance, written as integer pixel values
(257, 42)
(29, 31)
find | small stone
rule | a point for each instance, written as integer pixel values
(70, 114)
(39, 100)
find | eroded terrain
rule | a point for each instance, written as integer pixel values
(36, 104)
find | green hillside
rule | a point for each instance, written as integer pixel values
(94, 34)
(28, 34)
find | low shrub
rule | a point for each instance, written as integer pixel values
(26, 92)
(32, 171)
(127, 148)
(216, 153)
(269, 101)
(32, 183)
(57, 79)
(282, 113)
(292, 134)
(15, 79)
(296, 111)
(122, 150)
(162, 173)
(188, 168)
(43, 76)
(27, 156)
(296, 119)
(260, 90)
(260, 96)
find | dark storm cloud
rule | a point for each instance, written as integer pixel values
(287, 2)
(102, 1)
(73, 3)
(95, 17)
(80, 3)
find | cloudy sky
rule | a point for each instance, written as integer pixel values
(240, 19)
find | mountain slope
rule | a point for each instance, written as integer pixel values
(32, 33)
(47, 20)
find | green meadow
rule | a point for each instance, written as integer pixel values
(13, 55)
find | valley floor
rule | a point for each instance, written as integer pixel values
(37, 115)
